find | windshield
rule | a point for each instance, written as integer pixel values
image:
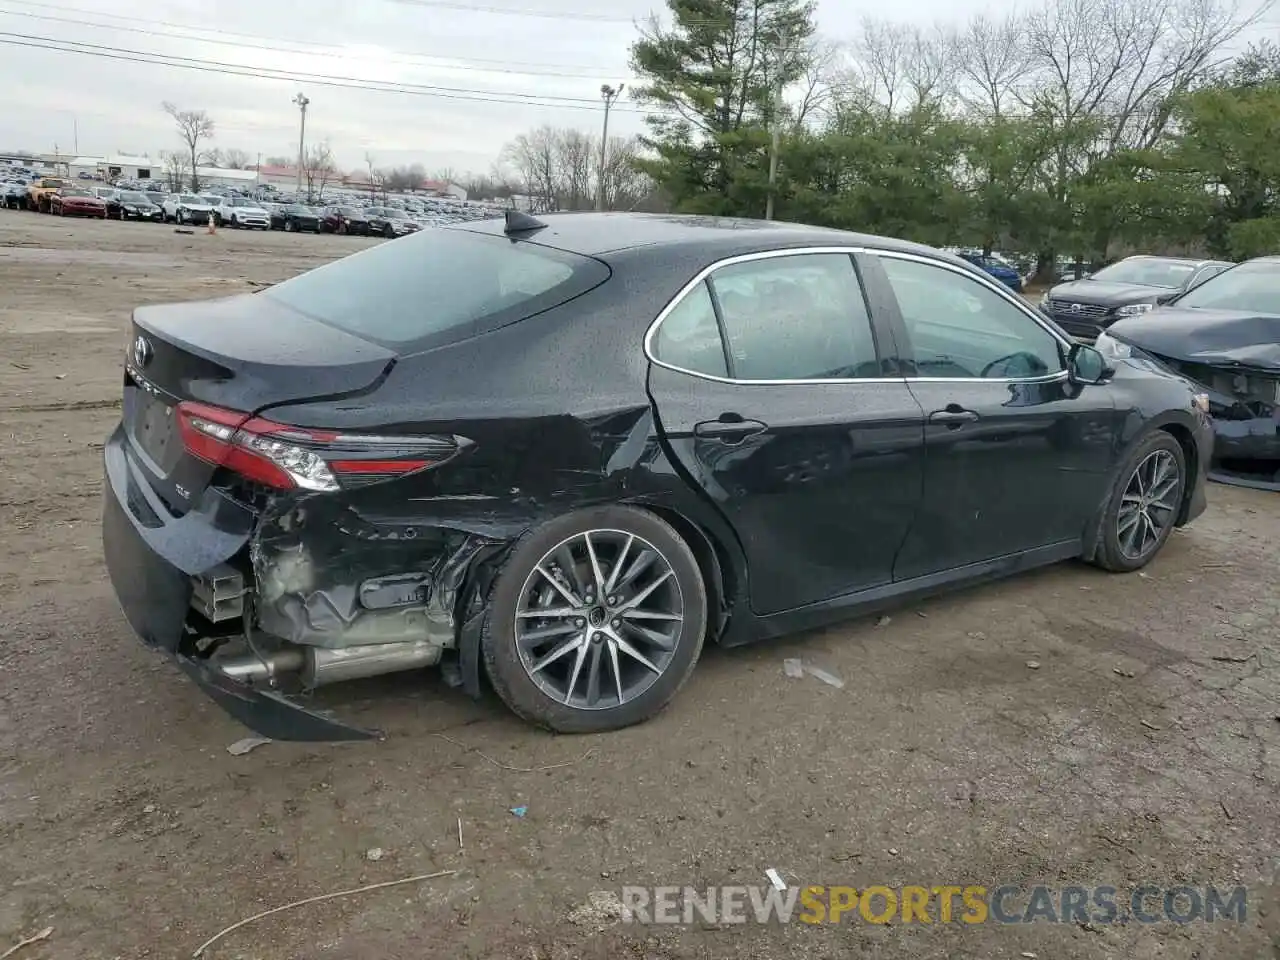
(1147, 272)
(190, 198)
(298, 208)
(241, 203)
(132, 196)
(76, 193)
(1251, 287)
(436, 282)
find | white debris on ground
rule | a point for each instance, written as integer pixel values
(602, 909)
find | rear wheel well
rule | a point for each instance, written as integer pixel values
(1190, 455)
(713, 563)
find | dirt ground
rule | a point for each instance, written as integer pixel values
(1065, 727)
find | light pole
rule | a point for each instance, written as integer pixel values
(609, 94)
(302, 101)
(775, 144)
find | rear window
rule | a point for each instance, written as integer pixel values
(439, 285)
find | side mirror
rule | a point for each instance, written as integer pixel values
(1085, 365)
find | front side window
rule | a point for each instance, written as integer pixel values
(960, 328)
(790, 317)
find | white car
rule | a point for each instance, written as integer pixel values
(186, 208)
(239, 212)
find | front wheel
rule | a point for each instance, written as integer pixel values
(1144, 504)
(595, 620)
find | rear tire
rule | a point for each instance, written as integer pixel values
(1146, 498)
(658, 613)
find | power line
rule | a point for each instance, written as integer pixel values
(245, 44)
(516, 11)
(267, 73)
(327, 49)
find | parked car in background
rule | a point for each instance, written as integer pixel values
(14, 194)
(40, 192)
(1129, 287)
(1004, 272)
(187, 208)
(295, 218)
(313, 482)
(390, 222)
(1224, 336)
(344, 220)
(132, 205)
(156, 196)
(74, 202)
(241, 212)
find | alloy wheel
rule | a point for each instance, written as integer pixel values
(598, 619)
(1149, 504)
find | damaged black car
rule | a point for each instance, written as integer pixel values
(561, 454)
(1224, 336)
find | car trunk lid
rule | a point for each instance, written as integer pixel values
(242, 354)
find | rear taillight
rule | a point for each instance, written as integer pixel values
(287, 457)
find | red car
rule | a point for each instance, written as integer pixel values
(73, 202)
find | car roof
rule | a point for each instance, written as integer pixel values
(600, 233)
(1192, 260)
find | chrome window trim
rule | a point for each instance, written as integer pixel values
(705, 272)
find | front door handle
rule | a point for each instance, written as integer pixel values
(729, 429)
(953, 416)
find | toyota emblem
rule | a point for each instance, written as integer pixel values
(142, 351)
(1075, 308)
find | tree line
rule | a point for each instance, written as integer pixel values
(1080, 127)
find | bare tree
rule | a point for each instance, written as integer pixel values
(236, 159)
(817, 85)
(901, 67)
(317, 169)
(992, 62)
(1123, 60)
(880, 62)
(177, 170)
(577, 157)
(625, 185)
(194, 127)
(534, 157)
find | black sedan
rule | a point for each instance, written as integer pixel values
(133, 205)
(294, 217)
(568, 452)
(344, 220)
(1224, 336)
(1130, 287)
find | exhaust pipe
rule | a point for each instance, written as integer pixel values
(321, 666)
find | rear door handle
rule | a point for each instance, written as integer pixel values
(731, 432)
(952, 416)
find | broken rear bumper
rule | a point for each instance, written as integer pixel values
(151, 558)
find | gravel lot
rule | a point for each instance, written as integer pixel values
(1143, 745)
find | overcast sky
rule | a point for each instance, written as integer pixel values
(485, 54)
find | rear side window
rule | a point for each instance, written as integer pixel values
(791, 317)
(689, 337)
(439, 285)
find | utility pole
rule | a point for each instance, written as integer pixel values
(75, 134)
(776, 140)
(302, 102)
(609, 94)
